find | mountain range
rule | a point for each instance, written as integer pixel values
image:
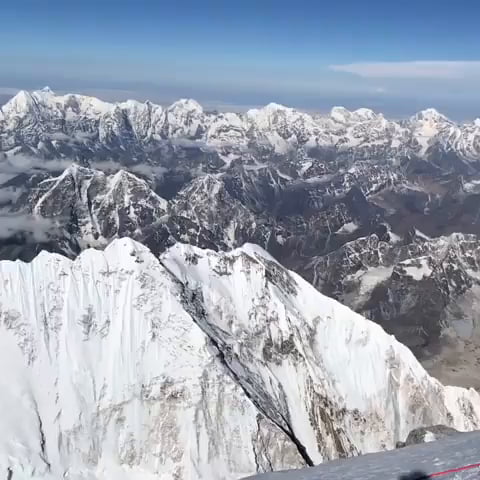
(381, 215)
(44, 124)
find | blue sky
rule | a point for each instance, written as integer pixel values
(396, 56)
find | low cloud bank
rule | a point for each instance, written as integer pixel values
(34, 228)
(419, 69)
(16, 164)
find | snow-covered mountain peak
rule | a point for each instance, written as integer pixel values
(46, 95)
(284, 128)
(184, 118)
(127, 253)
(131, 105)
(429, 127)
(20, 103)
(345, 116)
(98, 206)
(228, 130)
(133, 189)
(246, 275)
(274, 107)
(73, 173)
(187, 104)
(209, 182)
(269, 109)
(271, 114)
(340, 114)
(47, 89)
(124, 180)
(363, 114)
(430, 115)
(90, 105)
(202, 193)
(196, 365)
(80, 172)
(123, 175)
(207, 202)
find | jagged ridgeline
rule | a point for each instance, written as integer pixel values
(196, 365)
(46, 124)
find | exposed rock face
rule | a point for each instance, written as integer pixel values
(427, 434)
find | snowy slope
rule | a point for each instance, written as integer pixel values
(359, 389)
(105, 375)
(196, 366)
(432, 457)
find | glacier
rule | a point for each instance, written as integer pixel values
(196, 365)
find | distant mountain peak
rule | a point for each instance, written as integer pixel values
(22, 101)
(47, 89)
(365, 113)
(276, 106)
(430, 114)
(340, 114)
(186, 103)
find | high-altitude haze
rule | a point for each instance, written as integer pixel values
(398, 57)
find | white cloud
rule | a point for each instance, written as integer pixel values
(36, 228)
(188, 143)
(24, 163)
(147, 170)
(10, 194)
(420, 69)
(140, 168)
(15, 164)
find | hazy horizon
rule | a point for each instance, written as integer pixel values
(393, 57)
(392, 110)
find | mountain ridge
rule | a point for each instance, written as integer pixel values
(134, 125)
(302, 186)
(87, 372)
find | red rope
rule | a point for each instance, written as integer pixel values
(455, 470)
